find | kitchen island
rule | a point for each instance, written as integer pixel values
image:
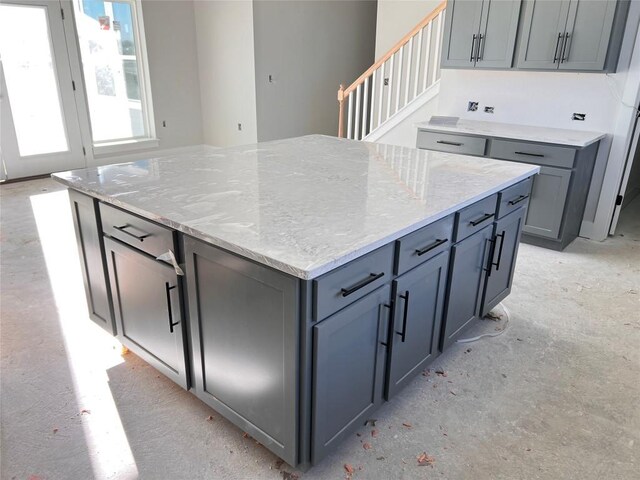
(296, 285)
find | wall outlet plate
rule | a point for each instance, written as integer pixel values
(488, 109)
(579, 116)
(472, 106)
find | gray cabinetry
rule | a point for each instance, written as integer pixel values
(419, 300)
(348, 369)
(462, 25)
(581, 35)
(503, 259)
(244, 337)
(86, 220)
(466, 282)
(148, 308)
(548, 199)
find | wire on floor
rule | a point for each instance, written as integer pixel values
(475, 339)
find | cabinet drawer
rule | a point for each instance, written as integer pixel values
(475, 217)
(445, 142)
(426, 243)
(142, 234)
(346, 284)
(535, 153)
(514, 197)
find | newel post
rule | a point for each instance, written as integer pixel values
(341, 111)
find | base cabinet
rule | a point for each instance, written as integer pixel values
(548, 200)
(419, 300)
(349, 353)
(148, 309)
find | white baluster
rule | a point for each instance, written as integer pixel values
(436, 56)
(349, 117)
(365, 108)
(381, 99)
(373, 99)
(427, 57)
(399, 82)
(358, 93)
(390, 89)
(418, 64)
(409, 63)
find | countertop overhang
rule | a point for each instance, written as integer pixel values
(508, 131)
(304, 205)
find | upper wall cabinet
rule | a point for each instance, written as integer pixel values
(480, 33)
(582, 35)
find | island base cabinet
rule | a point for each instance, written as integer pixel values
(244, 337)
(147, 306)
(466, 283)
(419, 301)
(548, 199)
(505, 252)
(86, 221)
(349, 352)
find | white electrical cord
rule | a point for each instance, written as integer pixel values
(475, 339)
(614, 89)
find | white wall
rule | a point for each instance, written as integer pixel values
(224, 31)
(396, 18)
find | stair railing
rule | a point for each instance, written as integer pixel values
(397, 78)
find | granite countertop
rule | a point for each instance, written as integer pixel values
(558, 136)
(303, 206)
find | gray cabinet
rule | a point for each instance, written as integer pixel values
(548, 199)
(148, 309)
(480, 33)
(419, 301)
(244, 337)
(502, 262)
(581, 35)
(86, 220)
(348, 369)
(466, 283)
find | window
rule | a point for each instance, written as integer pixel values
(115, 72)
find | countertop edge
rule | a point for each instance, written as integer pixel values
(301, 273)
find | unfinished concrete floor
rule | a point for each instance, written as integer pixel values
(555, 397)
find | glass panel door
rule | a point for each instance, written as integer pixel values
(40, 130)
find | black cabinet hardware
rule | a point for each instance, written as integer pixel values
(403, 334)
(123, 229)
(480, 52)
(564, 48)
(362, 283)
(169, 309)
(518, 200)
(555, 53)
(483, 218)
(492, 250)
(540, 155)
(473, 44)
(430, 247)
(390, 307)
(501, 235)
(455, 144)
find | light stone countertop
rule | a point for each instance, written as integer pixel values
(507, 131)
(303, 206)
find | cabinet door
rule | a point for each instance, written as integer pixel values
(497, 38)
(505, 252)
(244, 335)
(86, 220)
(543, 28)
(415, 333)
(348, 369)
(547, 204)
(587, 34)
(466, 283)
(462, 26)
(147, 307)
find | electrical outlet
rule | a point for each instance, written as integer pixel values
(386, 82)
(164, 123)
(579, 116)
(239, 126)
(472, 106)
(488, 109)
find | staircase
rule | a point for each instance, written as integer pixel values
(397, 84)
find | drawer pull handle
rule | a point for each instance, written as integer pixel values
(483, 218)
(530, 154)
(169, 308)
(518, 200)
(123, 229)
(454, 144)
(362, 283)
(428, 248)
(405, 314)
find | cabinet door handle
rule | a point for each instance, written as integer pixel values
(123, 229)
(564, 48)
(169, 306)
(362, 283)
(390, 307)
(405, 314)
(492, 250)
(473, 44)
(521, 198)
(483, 218)
(455, 144)
(555, 52)
(480, 52)
(501, 235)
(430, 247)
(540, 155)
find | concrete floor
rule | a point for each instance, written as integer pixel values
(555, 397)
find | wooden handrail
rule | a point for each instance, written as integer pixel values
(436, 11)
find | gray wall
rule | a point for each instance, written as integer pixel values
(309, 48)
